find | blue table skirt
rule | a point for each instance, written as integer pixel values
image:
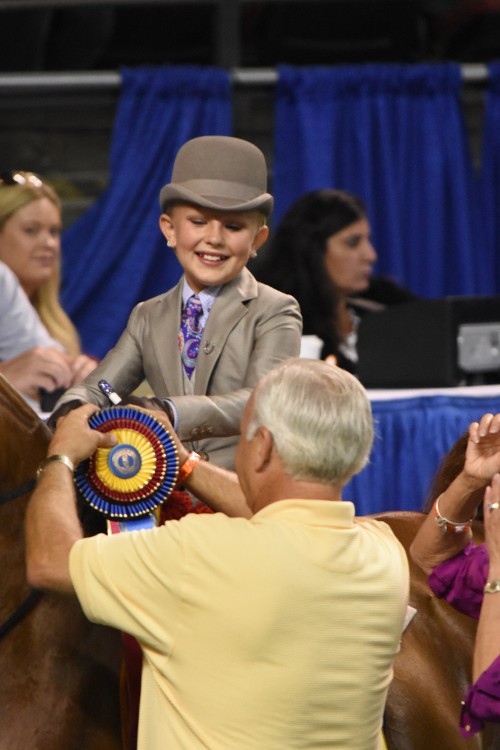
(412, 436)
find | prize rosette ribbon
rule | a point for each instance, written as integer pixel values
(134, 477)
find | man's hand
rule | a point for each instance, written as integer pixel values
(61, 411)
(74, 438)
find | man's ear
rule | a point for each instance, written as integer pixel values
(264, 449)
(167, 229)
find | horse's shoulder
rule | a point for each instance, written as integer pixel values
(404, 524)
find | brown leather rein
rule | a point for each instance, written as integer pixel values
(33, 596)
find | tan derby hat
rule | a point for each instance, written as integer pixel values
(220, 172)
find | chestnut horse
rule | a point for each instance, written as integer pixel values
(59, 674)
(433, 669)
(59, 683)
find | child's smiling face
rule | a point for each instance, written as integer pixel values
(212, 246)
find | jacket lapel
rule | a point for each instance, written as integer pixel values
(228, 309)
(165, 333)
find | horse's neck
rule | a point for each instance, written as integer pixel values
(23, 444)
(23, 439)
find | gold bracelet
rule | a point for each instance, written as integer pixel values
(455, 527)
(492, 587)
(59, 457)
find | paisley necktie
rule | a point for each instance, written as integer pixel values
(190, 333)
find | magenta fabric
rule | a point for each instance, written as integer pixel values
(460, 580)
(481, 702)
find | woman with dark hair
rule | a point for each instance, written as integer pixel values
(321, 254)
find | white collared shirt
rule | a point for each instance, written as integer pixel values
(207, 298)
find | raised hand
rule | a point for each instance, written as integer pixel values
(482, 456)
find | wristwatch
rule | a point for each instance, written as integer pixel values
(492, 587)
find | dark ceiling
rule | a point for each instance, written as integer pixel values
(105, 36)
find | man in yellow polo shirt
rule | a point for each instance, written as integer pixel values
(270, 625)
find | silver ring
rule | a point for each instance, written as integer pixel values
(493, 506)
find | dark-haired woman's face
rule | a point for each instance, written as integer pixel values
(349, 258)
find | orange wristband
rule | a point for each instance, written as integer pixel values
(188, 466)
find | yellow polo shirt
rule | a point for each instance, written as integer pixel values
(273, 633)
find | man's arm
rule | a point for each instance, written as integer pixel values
(51, 524)
(218, 488)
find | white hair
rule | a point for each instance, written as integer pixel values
(320, 418)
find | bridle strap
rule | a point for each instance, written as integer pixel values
(26, 606)
(22, 490)
(34, 596)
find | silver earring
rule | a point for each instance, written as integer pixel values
(169, 244)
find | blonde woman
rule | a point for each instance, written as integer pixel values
(30, 229)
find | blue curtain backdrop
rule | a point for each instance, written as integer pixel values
(488, 254)
(412, 436)
(115, 255)
(394, 135)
